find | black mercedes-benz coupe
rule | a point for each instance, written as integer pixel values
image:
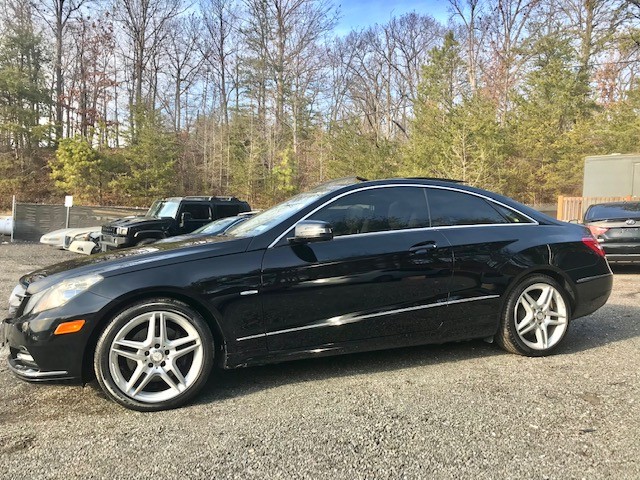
(349, 266)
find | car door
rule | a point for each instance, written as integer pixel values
(484, 236)
(198, 214)
(381, 275)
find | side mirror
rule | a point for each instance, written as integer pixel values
(184, 218)
(312, 231)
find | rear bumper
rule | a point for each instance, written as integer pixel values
(592, 293)
(622, 252)
(623, 258)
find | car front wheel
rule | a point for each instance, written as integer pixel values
(535, 318)
(154, 355)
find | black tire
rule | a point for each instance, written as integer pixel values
(169, 374)
(514, 314)
(146, 241)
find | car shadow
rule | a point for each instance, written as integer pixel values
(225, 384)
(613, 323)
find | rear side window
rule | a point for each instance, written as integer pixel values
(376, 210)
(449, 208)
(227, 210)
(511, 215)
(198, 211)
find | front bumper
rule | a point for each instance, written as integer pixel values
(26, 370)
(36, 354)
(110, 242)
(40, 355)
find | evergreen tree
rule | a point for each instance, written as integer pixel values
(150, 163)
(455, 133)
(550, 128)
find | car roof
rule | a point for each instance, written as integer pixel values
(201, 198)
(429, 181)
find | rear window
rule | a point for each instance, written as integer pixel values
(613, 211)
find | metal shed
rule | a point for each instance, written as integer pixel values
(614, 175)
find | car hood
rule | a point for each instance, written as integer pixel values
(182, 238)
(137, 221)
(118, 262)
(59, 234)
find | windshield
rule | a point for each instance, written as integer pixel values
(273, 216)
(218, 226)
(163, 208)
(613, 212)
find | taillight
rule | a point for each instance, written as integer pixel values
(593, 244)
(597, 231)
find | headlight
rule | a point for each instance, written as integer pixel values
(122, 230)
(59, 294)
(15, 299)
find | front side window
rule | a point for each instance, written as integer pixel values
(279, 213)
(376, 210)
(448, 207)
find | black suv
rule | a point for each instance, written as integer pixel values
(169, 217)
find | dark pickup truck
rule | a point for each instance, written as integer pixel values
(169, 217)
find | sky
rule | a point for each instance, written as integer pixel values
(358, 14)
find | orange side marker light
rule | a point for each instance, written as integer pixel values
(69, 327)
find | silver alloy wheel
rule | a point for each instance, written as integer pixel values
(540, 316)
(156, 356)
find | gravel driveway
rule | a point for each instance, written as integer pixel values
(464, 410)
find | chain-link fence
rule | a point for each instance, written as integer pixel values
(34, 220)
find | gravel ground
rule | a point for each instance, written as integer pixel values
(464, 410)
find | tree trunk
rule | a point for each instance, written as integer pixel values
(58, 72)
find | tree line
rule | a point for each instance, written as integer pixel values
(122, 101)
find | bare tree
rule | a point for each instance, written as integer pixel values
(279, 34)
(56, 14)
(470, 13)
(218, 47)
(144, 23)
(510, 24)
(184, 61)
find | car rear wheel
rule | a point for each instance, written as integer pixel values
(535, 318)
(154, 355)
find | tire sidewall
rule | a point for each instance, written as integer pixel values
(101, 356)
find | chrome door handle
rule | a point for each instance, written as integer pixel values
(423, 248)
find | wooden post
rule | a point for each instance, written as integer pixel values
(13, 217)
(560, 213)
